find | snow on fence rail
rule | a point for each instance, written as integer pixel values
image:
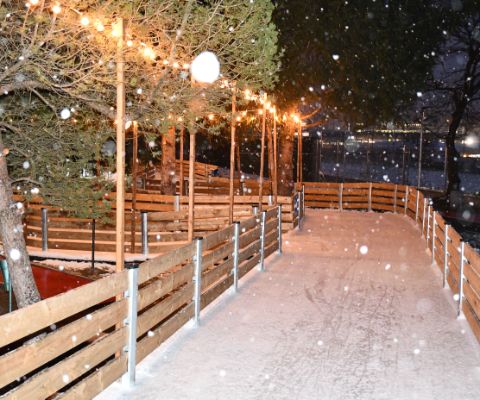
(457, 260)
(90, 336)
(159, 223)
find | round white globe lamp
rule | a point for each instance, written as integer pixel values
(205, 68)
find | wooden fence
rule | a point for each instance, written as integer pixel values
(159, 224)
(457, 260)
(90, 336)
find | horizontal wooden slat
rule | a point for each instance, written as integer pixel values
(163, 263)
(154, 315)
(31, 319)
(95, 383)
(49, 381)
(162, 333)
(29, 357)
(164, 285)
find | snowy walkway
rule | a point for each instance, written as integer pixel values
(325, 322)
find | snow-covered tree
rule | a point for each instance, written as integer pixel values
(58, 61)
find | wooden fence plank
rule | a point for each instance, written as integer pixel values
(29, 357)
(31, 319)
(95, 383)
(51, 380)
(156, 314)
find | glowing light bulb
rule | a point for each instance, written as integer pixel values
(99, 26)
(149, 53)
(85, 21)
(56, 9)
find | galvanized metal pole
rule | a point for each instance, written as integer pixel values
(144, 225)
(428, 224)
(279, 216)
(131, 323)
(445, 260)
(197, 278)
(461, 279)
(434, 224)
(44, 229)
(262, 240)
(424, 215)
(236, 253)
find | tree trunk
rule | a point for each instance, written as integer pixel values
(168, 162)
(11, 234)
(285, 162)
(453, 178)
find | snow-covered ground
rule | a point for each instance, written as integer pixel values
(352, 310)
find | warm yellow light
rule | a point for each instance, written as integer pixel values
(85, 21)
(56, 9)
(211, 117)
(116, 30)
(260, 112)
(129, 43)
(165, 62)
(99, 26)
(33, 2)
(186, 66)
(180, 119)
(176, 65)
(239, 119)
(148, 53)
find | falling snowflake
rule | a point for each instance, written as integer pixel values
(15, 254)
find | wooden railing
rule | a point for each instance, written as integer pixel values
(159, 224)
(458, 261)
(90, 336)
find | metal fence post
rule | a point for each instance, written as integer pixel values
(461, 279)
(177, 202)
(262, 240)
(395, 193)
(434, 223)
(144, 226)
(340, 197)
(44, 229)
(407, 190)
(370, 187)
(197, 279)
(445, 260)
(428, 224)
(236, 251)
(279, 216)
(255, 210)
(131, 323)
(270, 200)
(424, 212)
